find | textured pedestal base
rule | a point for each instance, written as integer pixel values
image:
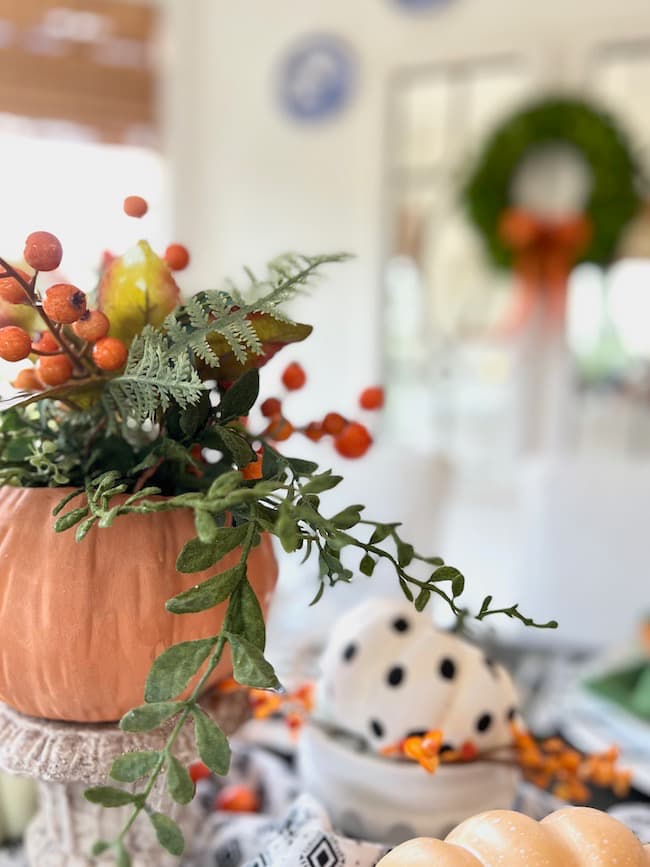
(66, 758)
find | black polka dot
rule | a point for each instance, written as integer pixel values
(416, 733)
(445, 748)
(484, 722)
(401, 625)
(395, 676)
(350, 652)
(377, 728)
(491, 664)
(512, 713)
(448, 668)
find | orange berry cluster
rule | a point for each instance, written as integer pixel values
(351, 438)
(553, 764)
(72, 330)
(75, 342)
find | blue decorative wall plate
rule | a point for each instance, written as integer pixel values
(318, 77)
(417, 5)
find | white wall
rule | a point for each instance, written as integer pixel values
(248, 183)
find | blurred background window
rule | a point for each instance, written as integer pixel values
(448, 366)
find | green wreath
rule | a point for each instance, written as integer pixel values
(614, 196)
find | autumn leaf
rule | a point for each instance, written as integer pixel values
(136, 289)
(274, 335)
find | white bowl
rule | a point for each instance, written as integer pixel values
(386, 801)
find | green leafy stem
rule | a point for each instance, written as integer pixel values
(169, 676)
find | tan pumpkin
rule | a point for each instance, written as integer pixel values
(81, 623)
(571, 837)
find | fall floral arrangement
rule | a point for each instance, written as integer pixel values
(128, 390)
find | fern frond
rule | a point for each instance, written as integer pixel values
(227, 313)
(154, 377)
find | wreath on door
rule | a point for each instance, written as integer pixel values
(614, 196)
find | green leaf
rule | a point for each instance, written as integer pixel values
(194, 417)
(241, 396)
(319, 594)
(122, 857)
(133, 766)
(207, 594)
(301, 467)
(175, 667)
(380, 533)
(211, 743)
(448, 573)
(319, 484)
(206, 526)
(236, 446)
(249, 666)
(367, 565)
(286, 529)
(405, 553)
(180, 785)
(422, 599)
(197, 555)
(271, 464)
(108, 796)
(64, 522)
(458, 584)
(99, 847)
(245, 615)
(149, 716)
(168, 833)
(406, 590)
(60, 506)
(348, 518)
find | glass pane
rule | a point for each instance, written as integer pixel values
(422, 114)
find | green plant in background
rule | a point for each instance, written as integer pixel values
(127, 431)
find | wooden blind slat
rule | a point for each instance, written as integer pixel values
(74, 83)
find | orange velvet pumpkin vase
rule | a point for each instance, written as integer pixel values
(81, 622)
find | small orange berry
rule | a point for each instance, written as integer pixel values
(333, 423)
(353, 441)
(135, 206)
(271, 407)
(199, 771)
(11, 290)
(27, 380)
(15, 343)
(372, 398)
(54, 369)
(64, 303)
(253, 471)
(43, 251)
(177, 257)
(109, 353)
(46, 343)
(294, 377)
(314, 431)
(237, 799)
(92, 326)
(279, 430)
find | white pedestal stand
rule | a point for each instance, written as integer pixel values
(66, 758)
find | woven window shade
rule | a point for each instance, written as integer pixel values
(85, 62)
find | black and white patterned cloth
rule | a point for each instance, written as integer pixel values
(294, 830)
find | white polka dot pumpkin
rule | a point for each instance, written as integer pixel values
(571, 837)
(388, 673)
